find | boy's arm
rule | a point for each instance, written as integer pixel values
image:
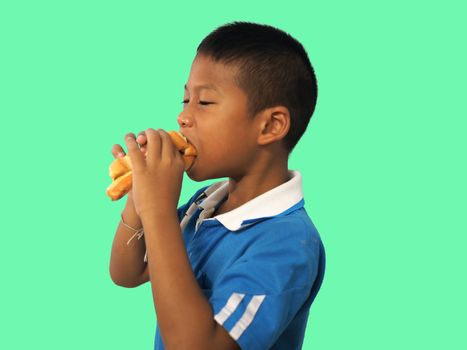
(184, 315)
(126, 261)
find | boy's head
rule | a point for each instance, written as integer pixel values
(265, 85)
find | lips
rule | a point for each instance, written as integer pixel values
(186, 138)
(190, 152)
(189, 141)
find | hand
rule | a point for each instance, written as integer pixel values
(157, 179)
(118, 152)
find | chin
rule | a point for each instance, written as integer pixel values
(194, 174)
(195, 177)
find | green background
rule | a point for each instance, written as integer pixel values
(383, 162)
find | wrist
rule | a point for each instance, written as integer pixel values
(155, 217)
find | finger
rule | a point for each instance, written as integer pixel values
(168, 148)
(142, 141)
(153, 146)
(117, 151)
(136, 156)
(130, 134)
(141, 138)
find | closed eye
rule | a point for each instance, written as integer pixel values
(204, 103)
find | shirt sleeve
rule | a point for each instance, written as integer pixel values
(258, 296)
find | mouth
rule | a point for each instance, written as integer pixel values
(186, 138)
(195, 149)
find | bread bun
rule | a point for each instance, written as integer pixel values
(120, 168)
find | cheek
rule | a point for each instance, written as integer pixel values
(223, 139)
(221, 144)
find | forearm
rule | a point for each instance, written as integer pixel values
(127, 260)
(184, 314)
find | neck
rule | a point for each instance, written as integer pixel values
(262, 177)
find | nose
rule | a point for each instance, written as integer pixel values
(184, 120)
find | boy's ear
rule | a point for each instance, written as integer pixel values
(274, 124)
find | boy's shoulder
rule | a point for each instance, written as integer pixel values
(292, 230)
(293, 220)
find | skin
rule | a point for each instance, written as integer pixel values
(256, 164)
(230, 144)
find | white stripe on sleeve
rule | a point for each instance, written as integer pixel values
(247, 316)
(229, 308)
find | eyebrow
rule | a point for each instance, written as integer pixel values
(204, 86)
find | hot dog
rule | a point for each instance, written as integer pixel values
(120, 169)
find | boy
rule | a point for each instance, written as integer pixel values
(239, 264)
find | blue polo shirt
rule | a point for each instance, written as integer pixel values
(260, 265)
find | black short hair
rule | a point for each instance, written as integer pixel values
(273, 69)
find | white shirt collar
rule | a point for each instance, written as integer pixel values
(268, 204)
